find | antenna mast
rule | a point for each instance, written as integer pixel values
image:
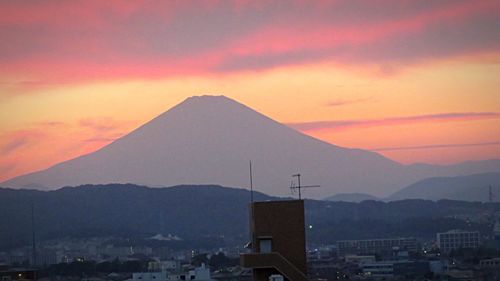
(299, 187)
(251, 182)
(33, 232)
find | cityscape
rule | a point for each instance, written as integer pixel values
(471, 253)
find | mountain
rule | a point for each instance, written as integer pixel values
(210, 140)
(209, 213)
(352, 197)
(467, 188)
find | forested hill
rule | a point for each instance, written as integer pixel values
(198, 212)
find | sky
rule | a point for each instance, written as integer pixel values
(417, 81)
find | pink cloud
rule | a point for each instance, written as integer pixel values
(311, 42)
(59, 42)
(346, 124)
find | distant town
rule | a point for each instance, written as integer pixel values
(454, 254)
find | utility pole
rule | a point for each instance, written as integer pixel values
(33, 232)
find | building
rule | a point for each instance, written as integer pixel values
(388, 269)
(201, 273)
(149, 276)
(378, 269)
(455, 239)
(172, 266)
(494, 262)
(410, 270)
(385, 247)
(326, 269)
(278, 241)
(236, 273)
(496, 233)
(46, 257)
(20, 274)
(359, 259)
(439, 266)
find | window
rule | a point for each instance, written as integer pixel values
(265, 245)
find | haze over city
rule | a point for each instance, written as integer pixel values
(414, 81)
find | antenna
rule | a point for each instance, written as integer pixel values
(299, 187)
(251, 182)
(490, 194)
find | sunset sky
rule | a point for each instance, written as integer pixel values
(417, 81)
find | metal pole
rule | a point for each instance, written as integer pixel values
(251, 182)
(33, 231)
(300, 196)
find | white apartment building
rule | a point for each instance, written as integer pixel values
(455, 239)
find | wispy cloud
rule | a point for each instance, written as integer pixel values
(103, 130)
(11, 141)
(5, 168)
(434, 146)
(345, 124)
(14, 144)
(42, 144)
(50, 124)
(104, 124)
(105, 139)
(341, 102)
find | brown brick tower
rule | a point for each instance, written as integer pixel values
(278, 240)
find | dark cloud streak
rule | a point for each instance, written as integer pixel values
(434, 146)
(346, 102)
(14, 144)
(443, 117)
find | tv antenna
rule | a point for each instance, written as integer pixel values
(293, 187)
